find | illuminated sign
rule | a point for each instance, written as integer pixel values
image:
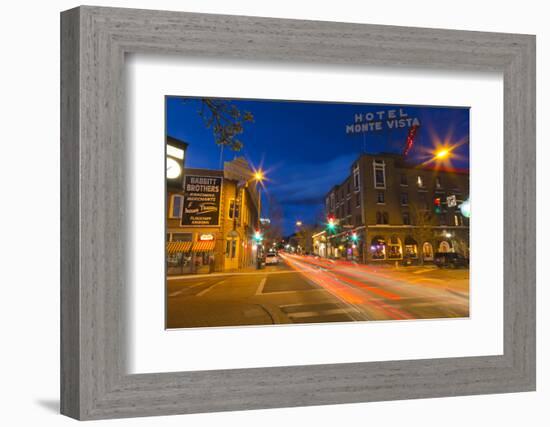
(206, 237)
(372, 121)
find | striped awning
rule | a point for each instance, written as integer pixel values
(174, 247)
(205, 246)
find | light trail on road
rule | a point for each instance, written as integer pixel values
(353, 292)
(383, 296)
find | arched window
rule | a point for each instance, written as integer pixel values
(378, 248)
(444, 246)
(394, 248)
(411, 248)
(427, 251)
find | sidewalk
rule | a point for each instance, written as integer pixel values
(250, 270)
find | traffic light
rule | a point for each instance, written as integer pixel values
(330, 223)
(354, 237)
(258, 236)
(437, 205)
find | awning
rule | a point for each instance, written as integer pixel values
(205, 246)
(175, 247)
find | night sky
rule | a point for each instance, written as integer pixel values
(304, 149)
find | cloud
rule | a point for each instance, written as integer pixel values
(308, 183)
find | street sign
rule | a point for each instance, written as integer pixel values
(201, 201)
(451, 201)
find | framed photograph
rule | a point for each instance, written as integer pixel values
(262, 213)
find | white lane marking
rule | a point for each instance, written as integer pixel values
(260, 289)
(323, 291)
(302, 314)
(208, 289)
(251, 273)
(422, 270)
(173, 294)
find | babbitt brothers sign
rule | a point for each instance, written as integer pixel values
(392, 119)
(201, 200)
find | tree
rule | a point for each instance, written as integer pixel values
(422, 230)
(274, 233)
(226, 121)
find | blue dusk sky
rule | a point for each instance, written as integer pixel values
(305, 149)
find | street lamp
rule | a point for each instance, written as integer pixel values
(259, 178)
(442, 154)
(298, 223)
(259, 175)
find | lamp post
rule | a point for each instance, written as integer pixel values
(259, 177)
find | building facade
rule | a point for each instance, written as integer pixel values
(211, 220)
(390, 210)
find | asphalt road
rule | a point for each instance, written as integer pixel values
(311, 290)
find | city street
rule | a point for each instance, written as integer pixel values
(307, 289)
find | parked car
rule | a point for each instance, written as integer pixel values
(271, 258)
(450, 260)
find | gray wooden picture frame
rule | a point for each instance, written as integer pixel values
(94, 381)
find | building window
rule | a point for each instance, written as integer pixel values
(231, 244)
(379, 174)
(332, 202)
(404, 199)
(380, 197)
(406, 218)
(394, 249)
(378, 248)
(348, 204)
(427, 251)
(382, 218)
(457, 220)
(403, 180)
(437, 182)
(349, 186)
(423, 202)
(419, 182)
(358, 219)
(411, 248)
(357, 201)
(356, 178)
(234, 209)
(176, 206)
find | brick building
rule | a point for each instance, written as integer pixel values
(223, 244)
(388, 209)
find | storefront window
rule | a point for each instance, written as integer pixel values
(394, 249)
(378, 248)
(411, 248)
(427, 251)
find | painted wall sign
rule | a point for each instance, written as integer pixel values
(201, 200)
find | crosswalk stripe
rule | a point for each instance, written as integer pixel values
(208, 289)
(260, 289)
(173, 294)
(303, 314)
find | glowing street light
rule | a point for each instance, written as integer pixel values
(442, 154)
(465, 208)
(259, 175)
(298, 223)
